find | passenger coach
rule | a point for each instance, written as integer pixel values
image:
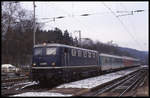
(110, 62)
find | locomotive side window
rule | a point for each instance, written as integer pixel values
(79, 53)
(73, 52)
(89, 54)
(93, 55)
(50, 51)
(85, 54)
(66, 50)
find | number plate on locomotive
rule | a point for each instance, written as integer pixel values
(43, 63)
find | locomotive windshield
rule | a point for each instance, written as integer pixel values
(45, 51)
(50, 51)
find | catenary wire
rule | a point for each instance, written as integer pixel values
(122, 24)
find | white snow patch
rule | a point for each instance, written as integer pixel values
(23, 83)
(95, 81)
(18, 85)
(29, 84)
(28, 94)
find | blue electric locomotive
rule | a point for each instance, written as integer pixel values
(60, 62)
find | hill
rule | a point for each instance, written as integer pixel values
(142, 55)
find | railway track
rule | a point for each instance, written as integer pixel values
(121, 87)
(11, 81)
(28, 87)
(18, 87)
(14, 79)
(15, 86)
(11, 85)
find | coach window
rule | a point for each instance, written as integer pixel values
(89, 54)
(120, 61)
(107, 60)
(117, 60)
(73, 51)
(112, 61)
(103, 60)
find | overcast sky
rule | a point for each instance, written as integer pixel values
(127, 31)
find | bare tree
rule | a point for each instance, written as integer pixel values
(17, 32)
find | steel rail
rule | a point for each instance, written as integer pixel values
(113, 85)
(14, 79)
(132, 84)
(139, 84)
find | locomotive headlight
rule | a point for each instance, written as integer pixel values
(53, 64)
(34, 64)
(44, 44)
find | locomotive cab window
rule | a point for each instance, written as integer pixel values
(50, 51)
(38, 51)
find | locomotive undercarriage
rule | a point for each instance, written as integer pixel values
(63, 75)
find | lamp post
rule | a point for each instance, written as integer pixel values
(34, 24)
(79, 37)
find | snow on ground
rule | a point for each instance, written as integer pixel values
(25, 83)
(48, 94)
(144, 66)
(95, 81)
(29, 84)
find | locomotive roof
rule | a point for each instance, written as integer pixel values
(62, 45)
